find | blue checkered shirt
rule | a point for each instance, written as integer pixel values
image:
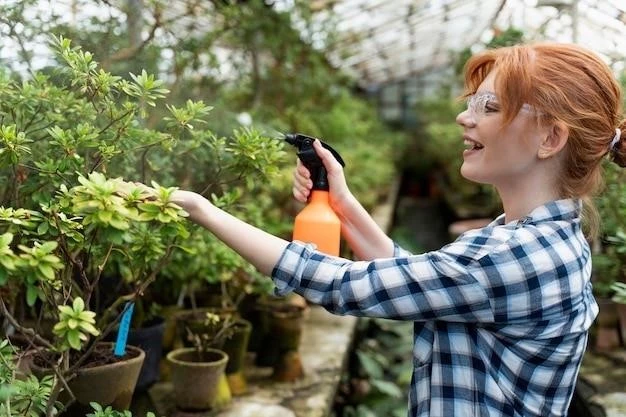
(500, 316)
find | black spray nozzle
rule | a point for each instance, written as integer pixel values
(309, 158)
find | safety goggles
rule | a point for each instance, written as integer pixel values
(478, 105)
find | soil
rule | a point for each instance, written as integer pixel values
(101, 355)
(199, 357)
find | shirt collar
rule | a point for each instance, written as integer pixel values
(566, 209)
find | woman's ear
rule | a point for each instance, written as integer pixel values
(554, 141)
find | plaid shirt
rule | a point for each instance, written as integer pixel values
(501, 314)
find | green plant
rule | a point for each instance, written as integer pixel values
(211, 332)
(604, 272)
(619, 295)
(68, 223)
(74, 325)
(21, 396)
(99, 411)
(609, 259)
(379, 373)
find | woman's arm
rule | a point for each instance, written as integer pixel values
(366, 239)
(364, 236)
(261, 249)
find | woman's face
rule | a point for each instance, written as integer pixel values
(497, 154)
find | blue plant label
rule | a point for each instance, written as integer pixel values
(122, 333)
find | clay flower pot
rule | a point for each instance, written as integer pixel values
(198, 378)
(111, 384)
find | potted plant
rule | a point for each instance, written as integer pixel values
(224, 279)
(62, 220)
(67, 224)
(58, 273)
(197, 372)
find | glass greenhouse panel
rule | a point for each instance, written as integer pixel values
(383, 41)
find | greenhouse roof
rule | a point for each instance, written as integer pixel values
(382, 41)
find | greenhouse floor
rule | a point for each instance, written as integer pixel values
(326, 342)
(602, 382)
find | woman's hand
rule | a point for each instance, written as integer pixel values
(338, 188)
(189, 201)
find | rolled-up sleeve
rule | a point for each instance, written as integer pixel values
(435, 285)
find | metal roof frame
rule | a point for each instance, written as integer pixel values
(383, 41)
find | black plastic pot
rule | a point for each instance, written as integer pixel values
(150, 339)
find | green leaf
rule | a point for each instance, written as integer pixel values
(89, 328)
(387, 387)
(399, 412)
(78, 304)
(119, 224)
(149, 208)
(105, 216)
(31, 295)
(49, 246)
(6, 239)
(47, 271)
(66, 310)
(6, 391)
(73, 339)
(372, 368)
(95, 406)
(8, 263)
(43, 228)
(60, 327)
(87, 316)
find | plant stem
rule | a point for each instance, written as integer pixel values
(94, 283)
(28, 332)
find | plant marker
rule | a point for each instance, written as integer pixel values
(122, 333)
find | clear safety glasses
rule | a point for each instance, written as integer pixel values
(478, 105)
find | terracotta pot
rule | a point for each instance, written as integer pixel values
(281, 323)
(169, 332)
(286, 327)
(109, 385)
(150, 340)
(198, 379)
(236, 347)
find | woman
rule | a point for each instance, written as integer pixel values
(502, 314)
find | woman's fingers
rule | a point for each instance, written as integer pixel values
(333, 167)
(301, 170)
(302, 178)
(301, 187)
(302, 183)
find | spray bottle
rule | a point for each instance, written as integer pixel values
(317, 223)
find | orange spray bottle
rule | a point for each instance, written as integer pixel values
(317, 223)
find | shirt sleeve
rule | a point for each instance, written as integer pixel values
(399, 251)
(436, 285)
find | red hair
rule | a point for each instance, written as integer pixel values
(564, 82)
